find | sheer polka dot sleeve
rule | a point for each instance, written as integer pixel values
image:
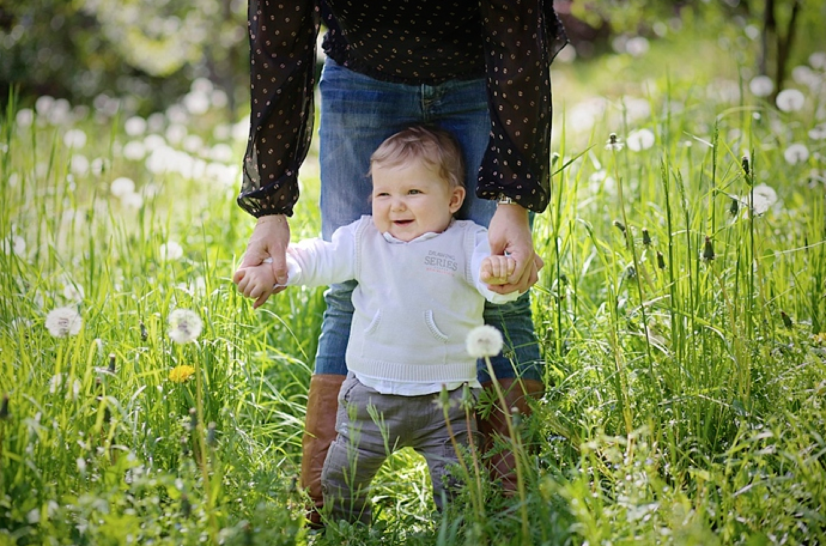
(282, 55)
(522, 37)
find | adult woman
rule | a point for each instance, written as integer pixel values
(477, 69)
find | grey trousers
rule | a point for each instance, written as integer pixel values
(371, 426)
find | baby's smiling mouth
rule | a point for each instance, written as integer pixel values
(402, 222)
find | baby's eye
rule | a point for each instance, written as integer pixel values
(414, 192)
(382, 194)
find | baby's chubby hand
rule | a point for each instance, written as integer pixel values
(256, 282)
(496, 270)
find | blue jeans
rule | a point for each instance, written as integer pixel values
(357, 114)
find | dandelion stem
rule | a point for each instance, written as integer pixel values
(517, 451)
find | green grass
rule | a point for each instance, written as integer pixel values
(686, 394)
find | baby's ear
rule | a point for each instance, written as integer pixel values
(457, 197)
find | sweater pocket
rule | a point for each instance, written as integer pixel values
(430, 321)
(374, 324)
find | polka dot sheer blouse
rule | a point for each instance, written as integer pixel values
(509, 42)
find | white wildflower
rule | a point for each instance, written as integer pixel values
(99, 165)
(79, 165)
(24, 117)
(614, 143)
(796, 153)
(74, 138)
(790, 100)
(184, 325)
(196, 102)
(175, 133)
(134, 150)
(122, 186)
(818, 59)
(135, 126)
(764, 197)
(33, 516)
(637, 46)
(131, 201)
(73, 292)
(818, 132)
(14, 244)
(171, 251)
(484, 341)
(761, 86)
(63, 321)
(640, 140)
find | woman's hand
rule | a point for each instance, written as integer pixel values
(510, 233)
(269, 239)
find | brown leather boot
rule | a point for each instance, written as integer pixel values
(502, 465)
(319, 433)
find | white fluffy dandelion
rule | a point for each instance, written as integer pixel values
(818, 132)
(122, 186)
(184, 325)
(171, 251)
(73, 292)
(640, 140)
(790, 100)
(761, 86)
(63, 321)
(764, 197)
(135, 126)
(74, 138)
(134, 150)
(484, 341)
(796, 153)
(131, 201)
(13, 244)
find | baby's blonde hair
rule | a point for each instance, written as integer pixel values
(436, 147)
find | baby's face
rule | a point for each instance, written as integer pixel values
(411, 199)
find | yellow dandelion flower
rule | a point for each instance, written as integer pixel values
(179, 374)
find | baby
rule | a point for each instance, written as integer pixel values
(423, 277)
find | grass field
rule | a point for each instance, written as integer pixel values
(682, 314)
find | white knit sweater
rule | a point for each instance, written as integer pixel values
(415, 302)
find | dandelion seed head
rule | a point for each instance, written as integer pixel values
(73, 292)
(13, 244)
(184, 325)
(796, 153)
(764, 197)
(484, 341)
(614, 143)
(175, 133)
(637, 46)
(135, 126)
(134, 150)
(818, 60)
(63, 321)
(171, 251)
(790, 100)
(761, 86)
(74, 139)
(99, 165)
(131, 201)
(79, 165)
(196, 102)
(122, 186)
(818, 132)
(641, 139)
(25, 117)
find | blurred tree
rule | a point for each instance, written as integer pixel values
(782, 24)
(147, 49)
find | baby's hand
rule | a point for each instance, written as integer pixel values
(256, 282)
(497, 269)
